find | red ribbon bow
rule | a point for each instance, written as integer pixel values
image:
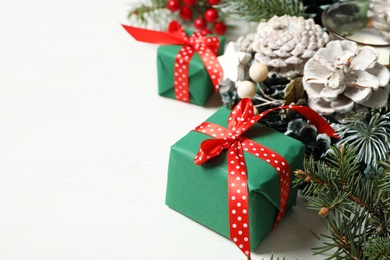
(241, 119)
(206, 47)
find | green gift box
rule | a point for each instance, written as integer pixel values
(201, 192)
(200, 85)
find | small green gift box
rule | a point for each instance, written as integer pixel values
(187, 65)
(200, 84)
(201, 192)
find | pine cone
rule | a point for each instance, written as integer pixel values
(340, 75)
(285, 44)
(246, 43)
(379, 12)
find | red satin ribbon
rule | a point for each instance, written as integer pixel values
(241, 119)
(206, 47)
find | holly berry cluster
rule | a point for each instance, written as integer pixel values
(204, 17)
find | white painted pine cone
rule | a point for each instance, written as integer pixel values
(285, 43)
(379, 13)
(246, 42)
(340, 76)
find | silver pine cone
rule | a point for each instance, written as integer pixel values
(379, 13)
(340, 77)
(285, 43)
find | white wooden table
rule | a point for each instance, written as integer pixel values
(84, 144)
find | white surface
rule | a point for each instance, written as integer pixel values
(84, 144)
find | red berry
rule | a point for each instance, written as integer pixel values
(211, 15)
(200, 23)
(189, 2)
(185, 13)
(205, 31)
(173, 5)
(220, 28)
(214, 2)
(174, 26)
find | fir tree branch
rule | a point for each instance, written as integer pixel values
(368, 132)
(151, 13)
(256, 10)
(355, 208)
(379, 250)
(362, 204)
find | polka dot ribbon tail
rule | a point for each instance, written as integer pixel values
(206, 47)
(241, 119)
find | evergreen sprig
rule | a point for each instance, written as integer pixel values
(379, 250)
(151, 13)
(155, 13)
(256, 10)
(369, 133)
(272, 258)
(356, 210)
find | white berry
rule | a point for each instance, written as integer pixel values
(246, 89)
(258, 72)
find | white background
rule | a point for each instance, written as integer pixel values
(84, 144)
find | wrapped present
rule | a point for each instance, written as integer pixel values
(251, 181)
(187, 64)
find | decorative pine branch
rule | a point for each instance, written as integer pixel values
(155, 13)
(369, 133)
(256, 10)
(356, 210)
(151, 13)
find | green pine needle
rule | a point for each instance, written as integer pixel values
(272, 258)
(356, 209)
(380, 250)
(369, 133)
(151, 13)
(256, 10)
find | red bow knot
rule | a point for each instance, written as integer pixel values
(241, 119)
(206, 47)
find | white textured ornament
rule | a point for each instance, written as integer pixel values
(231, 60)
(285, 43)
(340, 76)
(246, 89)
(258, 72)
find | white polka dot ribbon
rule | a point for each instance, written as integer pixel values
(207, 49)
(241, 120)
